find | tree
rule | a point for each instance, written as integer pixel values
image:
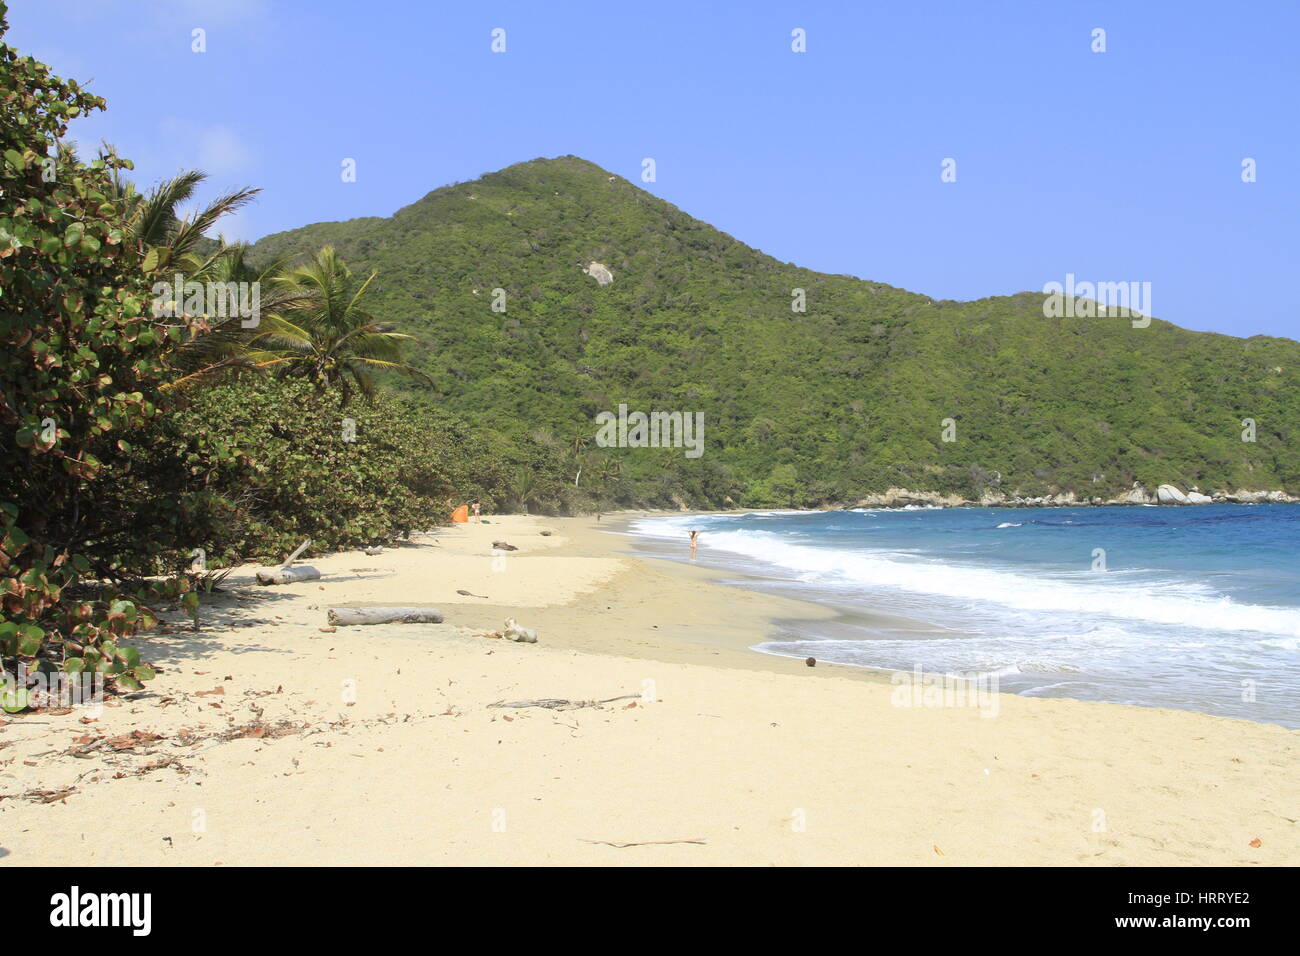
(324, 333)
(80, 366)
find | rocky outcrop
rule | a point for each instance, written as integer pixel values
(600, 272)
(1169, 495)
(901, 498)
(1137, 495)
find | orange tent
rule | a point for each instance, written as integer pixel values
(460, 514)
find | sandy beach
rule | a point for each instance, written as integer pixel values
(269, 739)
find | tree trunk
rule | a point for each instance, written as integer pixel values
(302, 572)
(345, 616)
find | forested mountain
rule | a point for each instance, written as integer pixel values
(827, 405)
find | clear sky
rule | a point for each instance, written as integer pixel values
(1124, 165)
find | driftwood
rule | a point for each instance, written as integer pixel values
(623, 846)
(557, 704)
(384, 615)
(514, 631)
(294, 557)
(288, 575)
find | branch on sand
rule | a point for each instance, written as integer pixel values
(552, 703)
(621, 846)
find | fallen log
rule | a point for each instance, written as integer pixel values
(344, 616)
(555, 703)
(302, 572)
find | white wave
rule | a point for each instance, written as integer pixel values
(1011, 524)
(1172, 603)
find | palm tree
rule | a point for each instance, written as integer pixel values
(153, 220)
(324, 334)
(578, 441)
(524, 489)
(220, 344)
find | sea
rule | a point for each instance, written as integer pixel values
(1194, 607)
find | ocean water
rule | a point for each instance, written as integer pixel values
(1194, 607)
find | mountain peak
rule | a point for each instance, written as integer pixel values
(551, 290)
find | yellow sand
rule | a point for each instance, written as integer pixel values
(395, 757)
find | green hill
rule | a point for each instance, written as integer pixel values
(845, 399)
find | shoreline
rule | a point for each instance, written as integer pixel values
(268, 738)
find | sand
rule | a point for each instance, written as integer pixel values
(267, 740)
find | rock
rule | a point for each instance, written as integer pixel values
(1169, 495)
(514, 631)
(546, 534)
(504, 546)
(811, 662)
(600, 272)
(375, 549)
(1196, 498)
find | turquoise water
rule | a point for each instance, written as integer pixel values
(1193, 607)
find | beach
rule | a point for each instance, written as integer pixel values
(267, 738)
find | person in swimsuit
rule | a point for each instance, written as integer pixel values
(695, 543)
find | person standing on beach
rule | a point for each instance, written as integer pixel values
(477, 516)
(695, 543)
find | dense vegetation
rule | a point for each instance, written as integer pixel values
(152, 436)
(800, 409)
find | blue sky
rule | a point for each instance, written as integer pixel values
(1115, 166)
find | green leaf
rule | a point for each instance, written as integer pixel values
(30, 639)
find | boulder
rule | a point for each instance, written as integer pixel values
(1196, 498)
(1137, 496)
(1169, 495)
(600, 272)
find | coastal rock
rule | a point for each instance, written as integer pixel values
(901, 498)
(504, 546)
(1169, 495)
(1196, 498)
(1137, 496)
